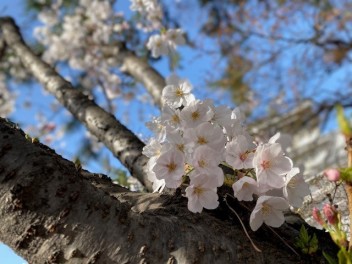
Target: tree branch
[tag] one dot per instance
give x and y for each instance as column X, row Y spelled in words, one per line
column 51, row 213
column 121, row 141
column 139, row 69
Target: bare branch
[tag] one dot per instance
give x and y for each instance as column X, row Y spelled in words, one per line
column 139, row 69
column 126, row 146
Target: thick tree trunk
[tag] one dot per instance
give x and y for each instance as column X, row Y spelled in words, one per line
column 52, row 212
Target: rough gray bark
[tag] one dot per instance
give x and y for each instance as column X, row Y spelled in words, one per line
column 50, row 212
column 121, row 141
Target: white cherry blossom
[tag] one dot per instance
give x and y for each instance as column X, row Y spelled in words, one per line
column 170, row 167
column 201, row 193
column 206, row 134
column 158, row 128
column 171, row 117
column 222, row 115
column 239, row 153
column 295, row 188
column 244, row 188
column 196, row 113
column 176, row 95
column 158, row 185
column 158, row 46
column 175, row 140
column 152, row 149
column 175, row 37
column 268, row 210
column 206, row 161
column 270, row 166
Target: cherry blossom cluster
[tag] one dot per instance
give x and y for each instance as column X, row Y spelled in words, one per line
column 159, row 44
column 150, row 13
column 193, row 137
column 81, row 37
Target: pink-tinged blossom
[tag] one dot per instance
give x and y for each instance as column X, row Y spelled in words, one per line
column 206, row 134
column 271, row 165
column 206, row 161
column 170, row 167
column 244, row 188
column 318, row 217
column 332, row 174
column 295, row 188
column 330, row 214
column 178, row 94
column 268, row 210
column 158, row 46
column 196, row 113
column 239, row 153
column 201, row 193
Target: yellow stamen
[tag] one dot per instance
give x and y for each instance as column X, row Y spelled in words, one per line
column 202, row 163
column 179, row 92
column 202, row 141
column 265, row 164
column 171, row 166
column 176, row 119
column 198, row 191
column 195, row 115
column 292, row 183
column 266, row 209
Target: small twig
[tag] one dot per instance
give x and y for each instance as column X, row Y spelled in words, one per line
column 243, row 227
column 276, row 234
column 337, row 185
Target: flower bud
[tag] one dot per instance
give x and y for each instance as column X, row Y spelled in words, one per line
column 317, row 216
column 330, row 214
column 332, row 174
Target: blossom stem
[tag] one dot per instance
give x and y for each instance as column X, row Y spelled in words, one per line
column 244, row 228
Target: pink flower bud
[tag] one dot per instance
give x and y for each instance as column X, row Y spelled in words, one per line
column 330, row 214
column 332, row 174
column 317, row 216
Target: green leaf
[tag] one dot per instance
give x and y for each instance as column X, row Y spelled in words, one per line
column 308, row 244
column 329, row 259
column 344, row 256
column 342, row 121
column 313, row 244
column 346, row 174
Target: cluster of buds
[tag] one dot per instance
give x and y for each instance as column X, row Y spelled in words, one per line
column 332, row 223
